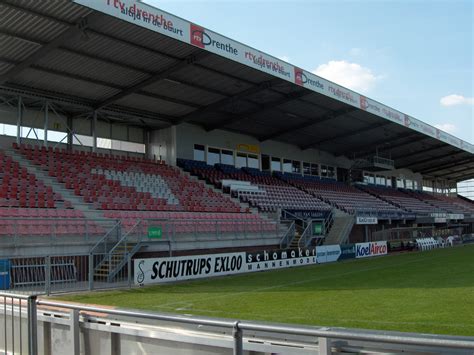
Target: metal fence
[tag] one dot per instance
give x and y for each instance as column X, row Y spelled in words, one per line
column 18, row 317
column 115, row 330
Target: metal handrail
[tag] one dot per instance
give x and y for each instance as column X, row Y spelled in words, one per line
column 303, row 242
column 285, row 240
column 92, row 250
column 321, row 332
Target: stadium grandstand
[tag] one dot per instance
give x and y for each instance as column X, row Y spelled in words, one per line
column 108, row 119
column 127, row 132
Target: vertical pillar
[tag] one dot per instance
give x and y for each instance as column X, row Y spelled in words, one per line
column 238, row 339
column 19, row 119
column 46, row 123
column 94, row 131
column 70, row 134
column 32, row 326
column 74, row 331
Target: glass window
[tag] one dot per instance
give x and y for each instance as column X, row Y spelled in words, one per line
column 276, row 164
column 409, row 184
column 241, row 160
column 331, row 172
column 296, row 167
column 307, row 168
column 287, row 166
column 415, row 185
column 265, row 163
column 199, row 152
column 314, row 169
column 400, row 183
column 324, row 171
column 253, row 161
column 213, row 156
column 227, row 157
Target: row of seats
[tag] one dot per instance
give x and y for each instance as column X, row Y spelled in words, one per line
column 340, row 195
column 19, row 188
column 124, row 184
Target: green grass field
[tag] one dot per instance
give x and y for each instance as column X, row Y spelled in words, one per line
column 429, row 292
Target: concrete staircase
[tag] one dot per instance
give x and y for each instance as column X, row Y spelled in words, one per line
column 68, row 195
column 341, row 228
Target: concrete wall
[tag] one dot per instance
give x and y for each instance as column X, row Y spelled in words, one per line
column 187, row 135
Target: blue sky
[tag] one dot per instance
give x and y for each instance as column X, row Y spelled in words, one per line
column 415, row 56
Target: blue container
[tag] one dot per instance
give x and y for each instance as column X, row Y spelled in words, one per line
column 4, row 274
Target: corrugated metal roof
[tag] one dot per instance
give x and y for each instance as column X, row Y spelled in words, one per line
column 154, row 105
column 94, row 69
column 15, row 49
column 55, row 83
column 177, row 90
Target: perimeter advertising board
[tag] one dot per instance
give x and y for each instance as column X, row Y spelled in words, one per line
column 366, row 250
column 156, row 20
column 160, row 270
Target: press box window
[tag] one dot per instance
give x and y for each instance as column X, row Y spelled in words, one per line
column 314, row 169
column 241, row 160
column 252, row 161
column 213, row 156
column 199, row 151
column 276, row 164
column 307, row 168
column 227, row 157
column 296, row 167
column 287, row 167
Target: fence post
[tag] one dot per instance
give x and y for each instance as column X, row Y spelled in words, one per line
column 47, row 275
column 237, row 335
column 91, row 272
column 324, row 345
column 32, row 326
column 74, row 331
column 129, row 270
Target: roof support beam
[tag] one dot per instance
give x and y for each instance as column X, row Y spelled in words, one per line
column 448, row 165
column 423, row 151
column 263, row 108
column 430, row 159
column 309, row 122
column 463, row 177
column 345, row 135
column 189, row 60
column 68, row 35
column 455, row 172
column 218, row 104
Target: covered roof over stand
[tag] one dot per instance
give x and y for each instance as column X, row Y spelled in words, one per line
column 85, row 60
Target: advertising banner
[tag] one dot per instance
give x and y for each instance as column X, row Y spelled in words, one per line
column 348, row 251
column 154, row 19
column 305, row 214
column 158, row 270
column 328, row 253
column 366, row 250
column 278, row 259
column 161, row 270
column 367, row 220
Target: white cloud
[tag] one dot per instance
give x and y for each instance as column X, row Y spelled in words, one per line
column 351, row 75
column 447, row 127
column 453, row 100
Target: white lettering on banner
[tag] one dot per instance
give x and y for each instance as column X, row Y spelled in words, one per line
column 367, row 220
column 149, row 271
column 365, row 250
column 154, row 19
column 328, row 253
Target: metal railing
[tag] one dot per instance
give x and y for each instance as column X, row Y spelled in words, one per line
column 286, row 240
column 78, row 320
column 21, row 231
column 16, row 337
